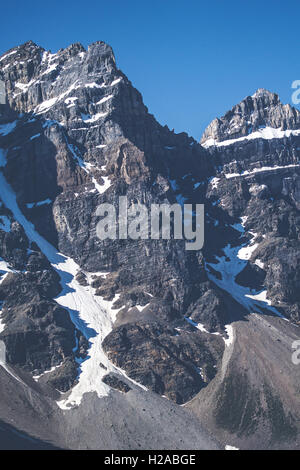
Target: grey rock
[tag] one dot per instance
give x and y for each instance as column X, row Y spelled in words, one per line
column 263, row 109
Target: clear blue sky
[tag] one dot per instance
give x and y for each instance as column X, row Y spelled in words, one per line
column 192, row 60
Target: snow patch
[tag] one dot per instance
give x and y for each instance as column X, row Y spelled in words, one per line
column 229, row 330
column 4, row 270
column 116, row 81
column 214, row 182
column 37, row 377
column 141, row 307
column 90, row 119
column 246, row 252
column 261, row 170
column 7, row 55
column 229, row 266
column 259, row 263
column 71, row 101
column 93, row 85
column 267, row 133
column 48, row 104
column 102, row 188
column 106, row 98
column 50, row 69
column 87, row 168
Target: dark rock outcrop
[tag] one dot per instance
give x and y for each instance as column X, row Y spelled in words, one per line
column 116, row 383
column 175, row 363
column 38, row 333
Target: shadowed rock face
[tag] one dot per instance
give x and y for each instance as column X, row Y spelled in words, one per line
column 116, row 383
column 76, row 133
column 39, row 334
column 171, row 363
column 12, row 439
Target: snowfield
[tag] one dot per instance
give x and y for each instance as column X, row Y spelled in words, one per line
column 92, row 315
column 4, row 270
column 267, row 133
column 261, row 170
column 229, row 266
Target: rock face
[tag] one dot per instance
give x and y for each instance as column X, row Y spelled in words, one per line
column 263, row 109
column 75, row 133
column 116, row 383
column 84, row 137
column 176, row 364
column 261, row 169
column 39, row 334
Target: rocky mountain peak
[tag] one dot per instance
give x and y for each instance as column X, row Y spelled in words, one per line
column 27, row 51
column 101, row 48
column 262, row 109
column 84, row 315
column 35, row 79
column 265, row 94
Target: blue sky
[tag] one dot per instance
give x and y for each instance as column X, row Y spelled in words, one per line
column 192, row 60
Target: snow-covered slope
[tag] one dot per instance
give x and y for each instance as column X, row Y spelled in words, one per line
column 92, row 315
column 229, row 266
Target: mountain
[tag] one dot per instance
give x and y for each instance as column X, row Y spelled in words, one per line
column 254, row 113
column 90, row 325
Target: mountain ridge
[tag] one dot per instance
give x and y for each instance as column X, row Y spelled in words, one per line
column 262, row 109
column 162, row 319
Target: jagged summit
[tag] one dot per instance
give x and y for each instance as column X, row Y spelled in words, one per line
column 35, row 77
column 263, row 92
column 262, row 109
column 29, row 51
column 30, row 46
column 27, row 60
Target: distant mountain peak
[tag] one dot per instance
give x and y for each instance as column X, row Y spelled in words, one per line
column 262, row 109
column 263, row 92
